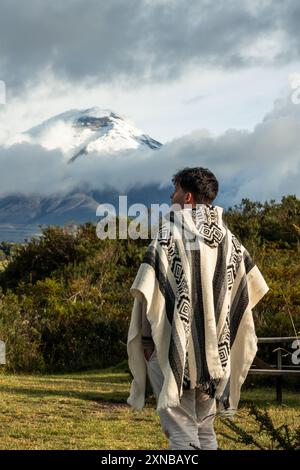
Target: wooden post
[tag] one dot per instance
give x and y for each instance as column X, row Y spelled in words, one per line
column 2, row 352
column 279, row 378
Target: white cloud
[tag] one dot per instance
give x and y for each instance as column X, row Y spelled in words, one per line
column 27, row 168
column 260, row 164
column 232, row 99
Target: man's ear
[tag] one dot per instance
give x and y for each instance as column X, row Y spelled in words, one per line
column 188, row 198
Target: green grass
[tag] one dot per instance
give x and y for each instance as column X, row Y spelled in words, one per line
column 88, row 410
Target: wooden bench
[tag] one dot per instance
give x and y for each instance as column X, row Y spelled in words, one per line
column 259, row 367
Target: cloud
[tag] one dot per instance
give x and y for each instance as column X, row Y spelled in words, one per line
column 260, row 164
column 140, row 41
column 27, row 168
column 194, row 99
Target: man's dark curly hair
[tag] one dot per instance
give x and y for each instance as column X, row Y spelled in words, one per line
column 201, row 182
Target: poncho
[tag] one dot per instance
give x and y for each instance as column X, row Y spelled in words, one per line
column 198, row 285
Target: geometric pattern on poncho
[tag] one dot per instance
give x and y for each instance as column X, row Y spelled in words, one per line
column 205, row 220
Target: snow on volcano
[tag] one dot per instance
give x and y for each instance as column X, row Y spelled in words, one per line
column 93, row 130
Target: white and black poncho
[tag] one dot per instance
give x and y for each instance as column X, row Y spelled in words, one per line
column 199, row 285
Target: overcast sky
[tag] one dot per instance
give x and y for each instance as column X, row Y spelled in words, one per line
column 209, row 79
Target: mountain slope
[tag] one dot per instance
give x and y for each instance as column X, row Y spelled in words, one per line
column 79, row 134
column 94, row 130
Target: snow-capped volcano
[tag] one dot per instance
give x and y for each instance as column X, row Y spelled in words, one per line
column 93, row 130
column 79, row 135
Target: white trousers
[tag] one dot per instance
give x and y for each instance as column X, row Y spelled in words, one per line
column 190, row 423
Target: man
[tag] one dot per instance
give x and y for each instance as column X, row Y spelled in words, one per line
column 192, row 327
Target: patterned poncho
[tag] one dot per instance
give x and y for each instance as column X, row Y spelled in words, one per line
column 199, row 285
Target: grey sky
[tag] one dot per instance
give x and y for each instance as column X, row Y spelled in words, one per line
column 139, row 40
column 199, row 76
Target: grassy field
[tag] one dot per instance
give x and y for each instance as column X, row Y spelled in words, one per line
column 89, row 411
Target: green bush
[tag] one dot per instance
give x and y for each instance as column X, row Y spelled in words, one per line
column 65, row 302
column 18, row 329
